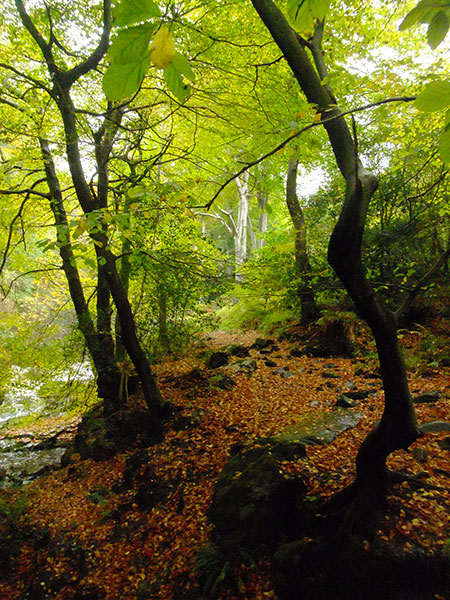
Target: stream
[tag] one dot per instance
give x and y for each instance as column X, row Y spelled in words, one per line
column 26, row 455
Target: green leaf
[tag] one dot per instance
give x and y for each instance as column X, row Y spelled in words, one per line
column 181, row 64
column 414, row 16
column 437, row 29
column 131, row 45
column 444, row 146
column 123, row 80
column 175, row 83
column 128, row 12
column 302, row 13
column 435, row 96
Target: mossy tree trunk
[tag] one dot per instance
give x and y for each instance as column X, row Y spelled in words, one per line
column 305, row 292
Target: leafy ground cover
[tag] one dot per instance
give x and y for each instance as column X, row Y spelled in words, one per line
column 131, row 527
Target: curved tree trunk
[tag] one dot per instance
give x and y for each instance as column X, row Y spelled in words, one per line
column 305, row 293
column 398, row 427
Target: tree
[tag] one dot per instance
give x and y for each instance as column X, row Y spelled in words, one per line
column 309, row 310
column 59, row 80
column 398, row 427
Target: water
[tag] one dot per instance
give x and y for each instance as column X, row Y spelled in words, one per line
column 23, row 396
column 22, row 457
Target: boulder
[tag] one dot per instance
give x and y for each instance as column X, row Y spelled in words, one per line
column 253, row 501
column 445, row 443
column 262, row 343
column 239, row 351
column 221, row 381
column 217, row 359
column 345, row 402
column 435, row 426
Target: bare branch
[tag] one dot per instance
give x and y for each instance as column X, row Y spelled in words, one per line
column 296, row 135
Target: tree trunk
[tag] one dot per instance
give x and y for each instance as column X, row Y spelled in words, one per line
column 398, row 427
column 97, row 341
column 240, row 238
column 309, row 310
column 62, row 82
column 263, row 219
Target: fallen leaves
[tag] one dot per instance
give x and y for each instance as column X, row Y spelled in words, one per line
column 123, row 551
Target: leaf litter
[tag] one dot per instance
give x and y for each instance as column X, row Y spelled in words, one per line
column 83, row 534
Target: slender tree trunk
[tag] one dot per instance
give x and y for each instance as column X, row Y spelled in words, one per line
column 97, row 341
column 398, row 427
column 309, row 310
column 240, row 238
column 263, row 219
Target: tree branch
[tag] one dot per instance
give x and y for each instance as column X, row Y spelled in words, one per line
column 295, row 135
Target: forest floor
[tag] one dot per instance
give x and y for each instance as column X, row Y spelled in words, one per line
column 78, row 534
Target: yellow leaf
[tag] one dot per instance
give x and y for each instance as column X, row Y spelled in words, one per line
column 163, row 49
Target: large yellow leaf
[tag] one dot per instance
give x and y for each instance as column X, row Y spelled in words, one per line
column 163, row 49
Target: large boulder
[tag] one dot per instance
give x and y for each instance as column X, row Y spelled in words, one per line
column 254, row 502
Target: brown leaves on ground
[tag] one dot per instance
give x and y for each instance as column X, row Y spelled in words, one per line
column 86, row 535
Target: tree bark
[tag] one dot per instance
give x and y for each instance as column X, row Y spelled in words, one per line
column 398, row 427
column 108, row 376
column 305, row 293
column 240, row 238
column 263, row 219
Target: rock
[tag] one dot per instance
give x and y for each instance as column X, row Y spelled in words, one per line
column 360, row 394
column 188, row 380
column 344, row 402
column 330, row 375
column 253, row 501
column 445, row 443
column 261, row 343
column 222, row 381
column 270, row 363
column 183, row 422
column 247, row 365
column 435, row 427
column 349, row 385
column 217, row 359
column 426, row 397
column 320, row 429
column 239, row 351
column 420, row 455
column 284, row 372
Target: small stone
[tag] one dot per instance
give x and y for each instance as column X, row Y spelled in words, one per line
column 349, row 385
column 426, row 397
column 445, row 443
column 344, row 402
column 287, row 374
column 329, row 375
column 420, row 455
column 270, row 363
